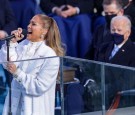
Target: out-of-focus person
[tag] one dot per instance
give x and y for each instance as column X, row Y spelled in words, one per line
column 74, row 21
column 129, row 10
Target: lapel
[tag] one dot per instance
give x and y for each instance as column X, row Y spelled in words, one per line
column 122, row 53
column 109, row 51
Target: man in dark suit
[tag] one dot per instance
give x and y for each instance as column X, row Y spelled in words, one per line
column 74, row 21
column 119, row 51
column 120, row 31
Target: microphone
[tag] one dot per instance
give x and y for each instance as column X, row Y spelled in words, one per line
column 24, row 32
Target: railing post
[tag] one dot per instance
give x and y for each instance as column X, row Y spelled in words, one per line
column 61, row 86
column 103, row 88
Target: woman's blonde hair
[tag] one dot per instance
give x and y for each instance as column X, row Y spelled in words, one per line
column 52, row 37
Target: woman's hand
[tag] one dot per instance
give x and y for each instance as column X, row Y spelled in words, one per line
column 18, row 35
column 11, row 67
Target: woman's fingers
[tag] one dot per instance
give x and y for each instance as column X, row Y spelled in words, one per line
column 11, row 67
column 18, row 34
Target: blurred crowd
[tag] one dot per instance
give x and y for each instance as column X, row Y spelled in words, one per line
column 78, row 21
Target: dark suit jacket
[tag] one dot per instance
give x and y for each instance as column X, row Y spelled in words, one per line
column 124, row 56
column 118, row 79
column 7, row 19
column 85, row 6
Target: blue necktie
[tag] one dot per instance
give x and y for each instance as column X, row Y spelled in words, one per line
column 114, row 51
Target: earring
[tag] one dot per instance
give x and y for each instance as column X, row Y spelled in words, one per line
column 42, row 36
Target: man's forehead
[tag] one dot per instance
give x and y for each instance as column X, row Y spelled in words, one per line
column 111, row 7
column 118, row 23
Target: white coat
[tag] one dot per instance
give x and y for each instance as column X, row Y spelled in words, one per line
column 33, row 91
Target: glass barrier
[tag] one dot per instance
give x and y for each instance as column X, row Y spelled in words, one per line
column 119, row 90
column 83, row 87
column 81, row 81
column 96, row 88
column 32, row 90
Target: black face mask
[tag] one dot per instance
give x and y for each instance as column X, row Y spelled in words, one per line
column 108, row 19
column 117, row 38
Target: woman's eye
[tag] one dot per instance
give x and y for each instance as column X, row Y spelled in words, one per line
column 33, row 24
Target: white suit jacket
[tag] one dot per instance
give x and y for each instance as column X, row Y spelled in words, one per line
column 33, row 91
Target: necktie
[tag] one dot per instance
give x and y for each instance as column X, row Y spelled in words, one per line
column 114, row 51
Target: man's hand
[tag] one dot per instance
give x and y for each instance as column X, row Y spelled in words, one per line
column 59, row 12
column 66, row 13
column 71, row 11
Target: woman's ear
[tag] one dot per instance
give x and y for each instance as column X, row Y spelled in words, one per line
column 45, row 32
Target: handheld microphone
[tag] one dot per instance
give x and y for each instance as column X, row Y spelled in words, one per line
column 24, row 32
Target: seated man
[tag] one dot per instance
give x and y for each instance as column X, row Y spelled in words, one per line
column 74, row 21
column 120, row 31
column 119, row 51
column 116, row 79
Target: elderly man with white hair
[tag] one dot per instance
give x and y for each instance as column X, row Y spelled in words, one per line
column 120, row 51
